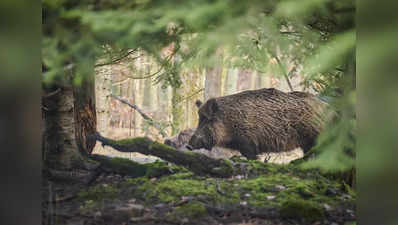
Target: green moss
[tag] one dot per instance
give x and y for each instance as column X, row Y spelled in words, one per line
column 173, row 188
column 98, row 192
column 182, row 175
column 190, row 210
column 130, row 141
column 157, row 145
column 301, row 209
column 125, row 166
column 88, row 206
column 276, row 187
column 349, row 190
column 226, row 169
column 160, row 168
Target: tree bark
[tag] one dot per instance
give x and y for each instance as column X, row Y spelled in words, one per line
column 69, row 119
column 212, row 83
column 176, row 110
column 231, row 81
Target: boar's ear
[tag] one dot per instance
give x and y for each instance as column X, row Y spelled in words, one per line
column 198, row 103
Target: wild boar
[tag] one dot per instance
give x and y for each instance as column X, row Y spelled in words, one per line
column 259, row 121
column 180, row 140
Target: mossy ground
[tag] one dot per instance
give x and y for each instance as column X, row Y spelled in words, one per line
column 295, row 193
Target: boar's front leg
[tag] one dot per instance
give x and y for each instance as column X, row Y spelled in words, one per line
column 246, row 147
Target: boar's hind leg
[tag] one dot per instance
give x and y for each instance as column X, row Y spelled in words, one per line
column 307, row 142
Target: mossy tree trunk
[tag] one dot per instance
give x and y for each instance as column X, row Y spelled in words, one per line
column 70, row 118
column 199, row 164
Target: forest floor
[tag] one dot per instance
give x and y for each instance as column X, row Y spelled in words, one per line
column 268, row 194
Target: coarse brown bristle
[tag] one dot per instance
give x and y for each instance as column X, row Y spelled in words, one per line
column 273, row 120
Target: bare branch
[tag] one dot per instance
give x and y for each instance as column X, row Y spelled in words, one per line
column 145, row 116
column 190, row 96
column 285, row 74
column 113, row 61
column 143, row 77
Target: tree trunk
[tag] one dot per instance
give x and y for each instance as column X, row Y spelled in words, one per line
column 69, row 117
column 231, row 82
column 176, row 111
column 103, row 86
column 244, row 80
column 212, row 83
column 262, row 80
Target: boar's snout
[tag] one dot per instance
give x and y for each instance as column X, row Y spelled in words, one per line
column 198, row 141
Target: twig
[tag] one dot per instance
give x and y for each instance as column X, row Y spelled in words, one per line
column 190, row 96
column 118, row 59
column 145, row 116
column 143, row 77
column 285, row 74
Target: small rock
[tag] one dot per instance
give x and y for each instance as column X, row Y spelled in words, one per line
column 327, row 207
column 97, row 214
column 247, row 195
column 271, row 197
column 160, row 205
column 346, row 196
column 280, row 187
column 350, row 211
column 187, row 198
column 131, row 210
column 131, row 201
column 330, row 192
column 244, row 203
column 239, row 177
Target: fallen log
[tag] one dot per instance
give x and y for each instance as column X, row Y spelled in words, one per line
column 197, row 163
